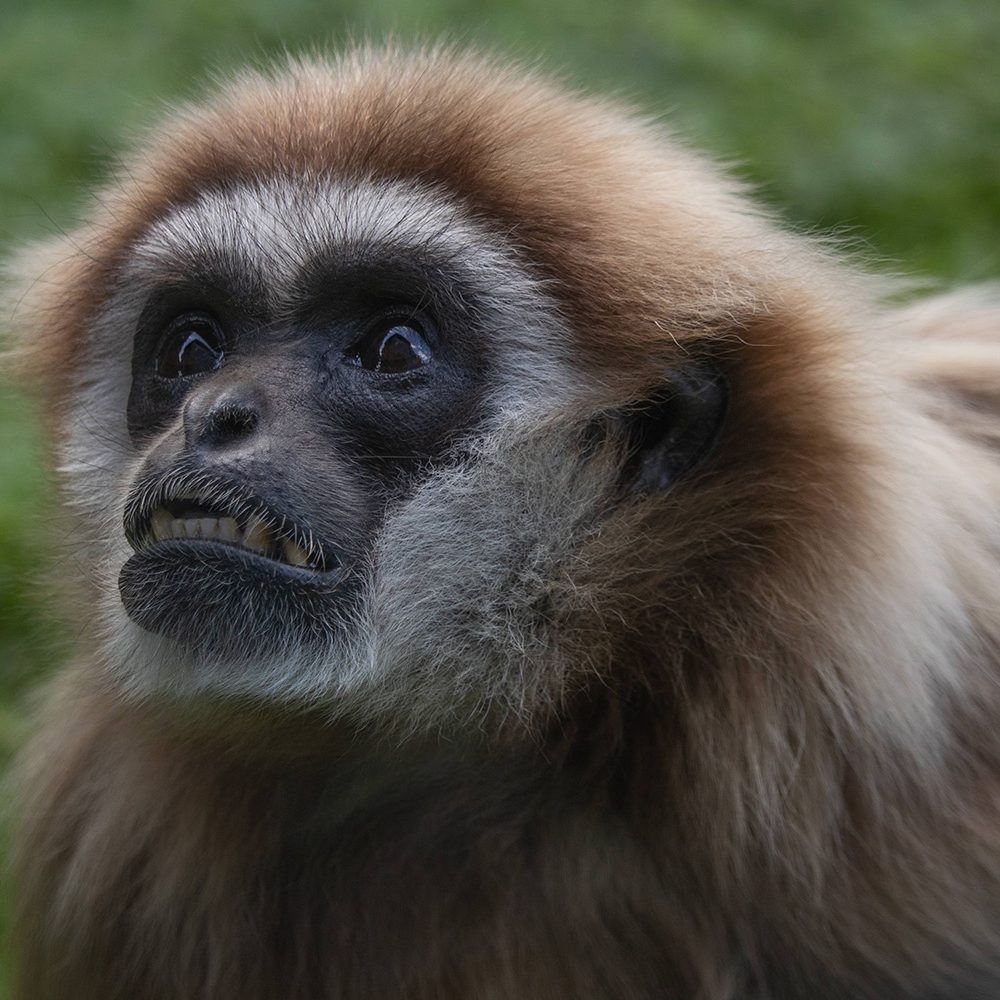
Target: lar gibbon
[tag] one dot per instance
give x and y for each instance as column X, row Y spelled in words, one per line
column 506, row 564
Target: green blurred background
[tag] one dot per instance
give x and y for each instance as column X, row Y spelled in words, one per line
column 879, row 119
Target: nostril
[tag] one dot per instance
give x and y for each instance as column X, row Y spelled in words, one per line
column 217, row 417
column 230, row 422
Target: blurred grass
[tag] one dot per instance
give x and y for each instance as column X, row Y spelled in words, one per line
column 880, row 118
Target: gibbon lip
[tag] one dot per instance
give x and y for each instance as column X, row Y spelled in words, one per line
column 220, row 514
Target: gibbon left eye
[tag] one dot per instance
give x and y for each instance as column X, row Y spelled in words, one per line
column 193, row 345
column 392, row 347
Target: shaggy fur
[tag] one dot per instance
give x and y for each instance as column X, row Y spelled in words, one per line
column 738, row 740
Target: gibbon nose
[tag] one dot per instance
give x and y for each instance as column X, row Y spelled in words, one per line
column 224, row 418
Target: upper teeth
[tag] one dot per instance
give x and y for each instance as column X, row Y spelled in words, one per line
column 257, row 536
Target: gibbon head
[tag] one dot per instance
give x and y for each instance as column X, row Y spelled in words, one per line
column 418, row 389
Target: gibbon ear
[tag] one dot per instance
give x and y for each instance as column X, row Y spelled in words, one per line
column 675, row 428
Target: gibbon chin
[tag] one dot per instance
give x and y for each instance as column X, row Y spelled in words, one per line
column 505, row 563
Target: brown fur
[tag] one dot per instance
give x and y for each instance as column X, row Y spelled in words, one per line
column 786, row 783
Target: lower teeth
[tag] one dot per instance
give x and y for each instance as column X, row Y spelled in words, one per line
column 257, row 538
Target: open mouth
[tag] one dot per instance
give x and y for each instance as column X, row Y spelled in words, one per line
column 221, row 570
column 225, row 516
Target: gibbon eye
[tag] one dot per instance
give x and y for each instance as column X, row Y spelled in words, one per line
column 193, row 345
column 393, row 346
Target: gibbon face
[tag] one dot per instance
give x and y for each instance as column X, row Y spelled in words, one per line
column 306, row 354
column 311, row 375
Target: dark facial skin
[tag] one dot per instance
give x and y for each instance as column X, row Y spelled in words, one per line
column 312, row 424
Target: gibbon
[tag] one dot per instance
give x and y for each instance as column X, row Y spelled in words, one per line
column 505, row 563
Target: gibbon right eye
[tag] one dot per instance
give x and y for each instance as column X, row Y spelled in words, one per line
column 391, row 347
column 192, row 345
